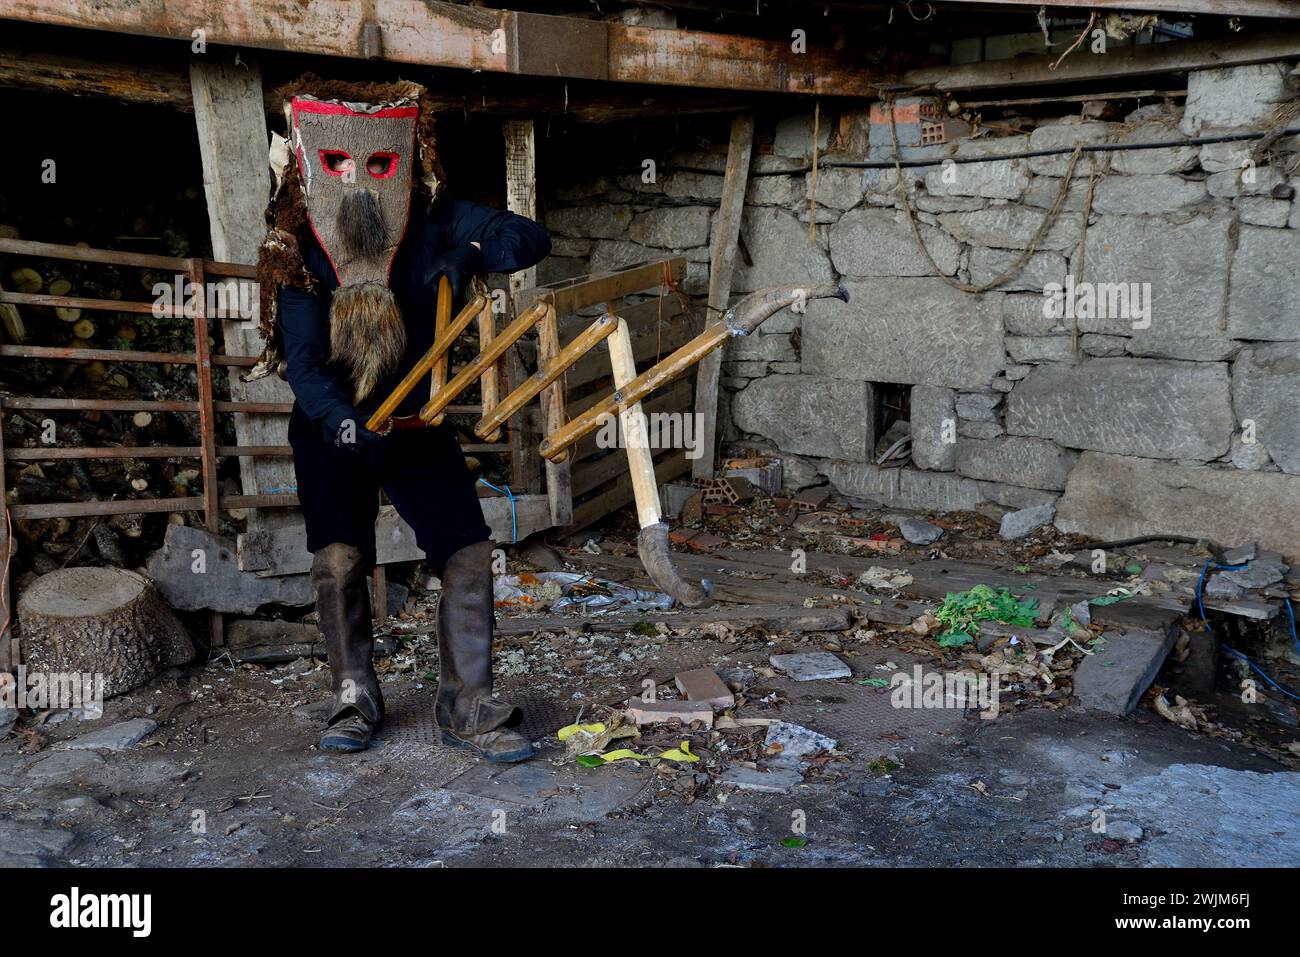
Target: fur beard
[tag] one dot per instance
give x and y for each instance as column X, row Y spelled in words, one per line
column 367, row 334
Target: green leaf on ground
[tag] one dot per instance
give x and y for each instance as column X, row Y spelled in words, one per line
column 963, row 611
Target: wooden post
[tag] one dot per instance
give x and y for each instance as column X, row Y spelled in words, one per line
column 207, row 428
column 521, row 187
column 640, row 460
column 230, row 118
column 521, row 198
column 490, row 382
column 441, row 318
column 559, row 477
column 722, row 261
column 8, row 643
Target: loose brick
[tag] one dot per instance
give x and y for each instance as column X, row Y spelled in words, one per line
column 656, row 712
column 703, row 684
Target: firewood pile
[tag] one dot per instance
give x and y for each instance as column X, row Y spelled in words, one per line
column 46, row 544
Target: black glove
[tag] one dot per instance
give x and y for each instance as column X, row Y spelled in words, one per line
column 459, row 266
column 356, row 439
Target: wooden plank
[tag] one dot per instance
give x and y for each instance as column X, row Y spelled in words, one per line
column 571, row 295
column 521, row 198
column 669, row 467
column 776, row 618
column 489, row 383
column 9, row 653
column 453, row 35
column 441, row 319
column 1149, row 59
column 168, row 85
column 524, row 434
column 722, row 261
column 635, row 432
column 1222, row 8
column 233, row 142
column 558, row 474
column 283, row 551
column 521, row 187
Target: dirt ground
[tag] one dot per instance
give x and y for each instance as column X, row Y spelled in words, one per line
column 230, row 776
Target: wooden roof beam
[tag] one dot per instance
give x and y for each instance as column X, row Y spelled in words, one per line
column 1176, row 56
column 1286, row 9
column 440, row 34
column 165, row 83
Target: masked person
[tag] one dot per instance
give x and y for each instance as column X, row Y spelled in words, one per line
column 358, row 238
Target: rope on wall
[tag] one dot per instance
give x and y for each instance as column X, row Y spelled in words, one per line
column 1014, row 269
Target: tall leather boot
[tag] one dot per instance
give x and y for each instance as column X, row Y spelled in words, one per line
column 338, row 577
column 465, row 710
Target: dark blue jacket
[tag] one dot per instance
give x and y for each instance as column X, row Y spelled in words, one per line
column 507, row 243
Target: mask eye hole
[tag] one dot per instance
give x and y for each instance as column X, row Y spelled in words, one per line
column 381, row 165
column 336, row 162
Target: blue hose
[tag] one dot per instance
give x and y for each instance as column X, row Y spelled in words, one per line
column 1200, row 606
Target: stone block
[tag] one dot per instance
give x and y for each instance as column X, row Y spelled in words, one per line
column 1234, row 96
column 1184, row 263
column 807, row 414
column 837, row 187
column 1012, row 227
column 1265, row 285
column 1041, row 269
column 1028, row 316
column 934, row 423
column 1266, row 390
column 993, row 180
column 977, row 406
column 862, row 480
column 878, row 242
column 908, row 331
column 780, row 252
column 671, row 227
column 1177, row 410
column 1016, row 460
column 812, row 666
column 1264, row 211
column 1040, row 349
column 703, row 684
column 659, row 711
column 758, row 347
column 590, row 222
column 609, row 255
column 778, row 780
column 1020, row 523
column 681, row 184
column 979, row 430
column 1250, row 181
column 1138, row 195
column 1189, row 349
column 116, row 737
column 936, row 491
column 1093, row 344
column 1116, row 496
column 1114, row 678
column 1044, row 190
column 919, row 532
column 1174, row 159
column 1064, row 135
column 220, row 586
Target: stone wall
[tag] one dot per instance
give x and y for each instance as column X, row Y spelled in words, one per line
column 1182, row 420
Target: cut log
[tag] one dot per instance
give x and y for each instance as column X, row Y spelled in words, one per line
column 102, row 621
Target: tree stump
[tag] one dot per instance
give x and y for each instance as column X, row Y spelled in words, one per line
column 106, row 621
